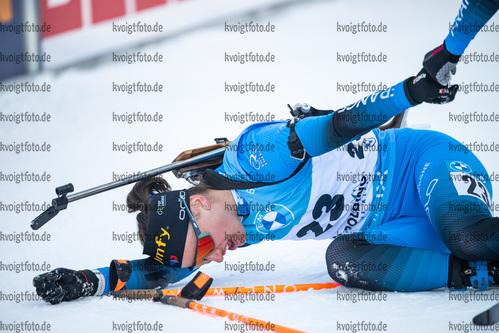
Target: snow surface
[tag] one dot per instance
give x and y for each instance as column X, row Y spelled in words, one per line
column 194, row 103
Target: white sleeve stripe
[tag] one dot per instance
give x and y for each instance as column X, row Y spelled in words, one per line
column 102, row 283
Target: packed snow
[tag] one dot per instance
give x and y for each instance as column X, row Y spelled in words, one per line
column 196, row 108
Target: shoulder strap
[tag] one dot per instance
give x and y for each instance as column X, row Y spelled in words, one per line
column 300, row 111
column 220, row 182
column 294, row 144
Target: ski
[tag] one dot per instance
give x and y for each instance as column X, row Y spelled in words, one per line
column 488, row 317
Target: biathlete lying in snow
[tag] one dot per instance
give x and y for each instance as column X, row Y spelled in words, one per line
column 411, row 221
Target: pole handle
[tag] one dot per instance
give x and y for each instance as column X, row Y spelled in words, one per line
column 177, row 301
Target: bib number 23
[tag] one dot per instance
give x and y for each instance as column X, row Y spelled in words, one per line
column 333, row 205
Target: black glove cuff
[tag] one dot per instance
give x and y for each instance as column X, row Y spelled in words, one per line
column 452, row 57
column 119, row 273
column 407, row 90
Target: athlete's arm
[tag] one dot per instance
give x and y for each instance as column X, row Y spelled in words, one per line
column 472, row 16
column 322, row 134
column 318, row 135
column 63, row 284
column 141, row 274
column 261, row 153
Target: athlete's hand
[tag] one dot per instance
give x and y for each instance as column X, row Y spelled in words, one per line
column 422, row 88
column 440, row 64
column 64, row 284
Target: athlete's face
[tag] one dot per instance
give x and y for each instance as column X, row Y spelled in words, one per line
column 219, row 219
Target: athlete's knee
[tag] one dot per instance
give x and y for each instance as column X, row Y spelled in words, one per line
column 341, row 254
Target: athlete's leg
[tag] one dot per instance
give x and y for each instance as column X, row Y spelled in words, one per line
column 437, row 180
column 456, row 193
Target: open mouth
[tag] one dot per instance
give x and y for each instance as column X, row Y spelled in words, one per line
column 232, row 245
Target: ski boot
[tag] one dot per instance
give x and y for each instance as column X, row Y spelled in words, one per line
column 477, row 274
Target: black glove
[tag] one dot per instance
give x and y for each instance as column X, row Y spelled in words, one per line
column 64, row 284
column 440, row 64
column 423, row 88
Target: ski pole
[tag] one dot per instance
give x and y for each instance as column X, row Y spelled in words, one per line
column 188, row 304
column 156, row 294
column 62, row 200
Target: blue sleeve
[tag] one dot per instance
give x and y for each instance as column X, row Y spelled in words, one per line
column 472, row 16
column 322, row 134
column 147, row 274
column 261, row 154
